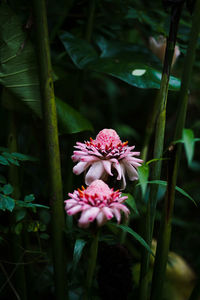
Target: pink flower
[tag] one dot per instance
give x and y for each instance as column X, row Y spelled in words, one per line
column 100, row 157
column 98, row 202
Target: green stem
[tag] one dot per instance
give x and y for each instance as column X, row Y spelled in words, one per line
column 52, row 148
column 158, row 148
column 92, row 264
column 175, row 153
column 16, row 240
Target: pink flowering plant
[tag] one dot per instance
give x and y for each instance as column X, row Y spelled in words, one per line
column 104, row 156
column 97, row 201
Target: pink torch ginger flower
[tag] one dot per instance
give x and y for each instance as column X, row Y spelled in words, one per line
column 98, row 202
column 100, row 157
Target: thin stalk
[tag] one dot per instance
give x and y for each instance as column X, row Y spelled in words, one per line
column 158, row 147
column 16, row 240
column 175, row 153
column 52, row 148
column 92, row 264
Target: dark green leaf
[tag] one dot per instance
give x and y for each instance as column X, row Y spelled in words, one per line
column 188, row 139
column 131, row 202
column 29, row 198
column 143, row 173
column 20, row 214
column 23, row 157
column 6, row 202
column 17, row 61
column 3, row 161
column 126, row 68
column 10, row 158
column 164, row 183
column 135, row 235
column 21, row 203
column 70, row 120
column 7, row 189
column 78, row 249
column 2, row 179
column 18, row 228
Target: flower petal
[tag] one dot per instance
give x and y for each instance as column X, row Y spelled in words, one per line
column 131, row 171
column 96, row 171
column 107, row 212
column 117, row 166
column 74, row 210
column 107, row 166
column 80, row 167
column 101, row 219
column 88, row 216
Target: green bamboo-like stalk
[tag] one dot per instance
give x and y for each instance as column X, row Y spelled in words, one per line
column 52, row 148
column 175, row 153
column 158, row 148
column 92, row 264
column 16, row 240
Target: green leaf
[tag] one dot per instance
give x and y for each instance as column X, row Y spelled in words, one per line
column 78, row 249
column 29, row 198
column 21, row 203
column 20, row 214
column 3, row 161
column 10, row 158
column 181, row 191
column 18, row 64
column 18, row 228
column 143, row 173
column 70, row 120
column 135, row 235
column 125, row 67
column 6, row 202
column 7, row 189
column 131, row 202
column 23, row 157
column 189, row 142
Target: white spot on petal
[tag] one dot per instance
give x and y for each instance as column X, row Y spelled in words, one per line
column 138, row 72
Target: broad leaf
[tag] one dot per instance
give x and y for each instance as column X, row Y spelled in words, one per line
column 131, row 202
column 70, row 120
column 127, row 68
column 7, row 189
column 189, row 142
column 17, row 61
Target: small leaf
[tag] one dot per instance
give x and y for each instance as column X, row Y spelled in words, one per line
column 143, row 173
column 135, row 235
column 29, row 198
column 188, row 139
column 18, row 228
column 3, row 161
column 131, row 202
column 7, row 189
column 20, row 214
column 78, row 249
column 10, row 158
column 23, row 157
column 70, row 120
column 6, row 202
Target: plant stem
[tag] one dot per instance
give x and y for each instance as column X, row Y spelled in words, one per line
column 175, row 153
column 52, row 148
column 158, row 147
column 92, row 264
column 16, row 240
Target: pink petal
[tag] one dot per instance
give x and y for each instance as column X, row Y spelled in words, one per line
column 117, row 214
column 101, row 219
column 88, row 216
column 70, row 203
column 117, row 166
column 122, row 207
column 95, row 172
column 107, row 166
column 80, row 167
column 123, row 177
column 107, row 212
column 74, row 210
column 89, row 158
column 131, row 171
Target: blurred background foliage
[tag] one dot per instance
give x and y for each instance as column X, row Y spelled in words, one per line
column 95, row 47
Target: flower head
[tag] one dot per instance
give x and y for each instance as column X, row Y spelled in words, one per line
column 100, row 157
column 98, row 202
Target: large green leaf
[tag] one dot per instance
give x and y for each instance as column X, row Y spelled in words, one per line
column 6, row 203
column 143, row 172
column 70, row 120
column 17, row 61
column 131, row 68
column 189, row 142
